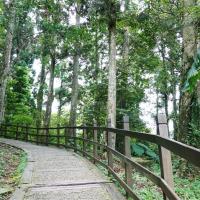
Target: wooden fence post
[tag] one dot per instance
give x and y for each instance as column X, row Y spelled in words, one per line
column 47, row 136
column 75, row 141
column 0, row 128
column 95, row 140
column 58, row 135
column 5, row 131
column 26, row 134
column 66, row 137
column 109, row 136
column 127, row 151
column 165, row 155
column 16, row 136
column 84, row 137
column 37, row 135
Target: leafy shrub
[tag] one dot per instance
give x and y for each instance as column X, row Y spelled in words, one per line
column 139, row 149
column 193, row 75
column 22, row 119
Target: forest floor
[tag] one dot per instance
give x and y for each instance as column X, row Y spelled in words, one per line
column 187, row 186
column 12, row 164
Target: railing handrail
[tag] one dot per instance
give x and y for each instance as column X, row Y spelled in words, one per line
column 183, row 150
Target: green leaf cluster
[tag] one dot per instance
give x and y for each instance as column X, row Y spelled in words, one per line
column 193, row 75
column 139, row 149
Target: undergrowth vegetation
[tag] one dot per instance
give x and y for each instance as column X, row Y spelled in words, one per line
column 12, row 164
column 187, row 187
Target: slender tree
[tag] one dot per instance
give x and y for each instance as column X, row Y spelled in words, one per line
column 40, row 94
column 75, row 86
column 112, row 66
column 189, row 49
column 50, row 96
column 6, row 65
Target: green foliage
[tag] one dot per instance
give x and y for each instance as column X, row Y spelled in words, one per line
column 23, row 119
column 139, row 149
column 187, row 189
column 62, row 120
column 193, row 75
column 19, row 171
column 19, row 103
column 12, row 164
column 194, row 135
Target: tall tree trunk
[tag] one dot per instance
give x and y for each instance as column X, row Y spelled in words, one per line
column 126, row 37
column 174, row 65
column 112, row 68
column 5, row 69
column 96, row 74
column 125, row 67
column 189, row 48
column 122, row 76
column 50, row 97
column 75, row 86
column 165, row 97
column 165, row 92
column 174, row 95
column 60, row 97
column 195, row 110
column 40, row 94
column 198, row 47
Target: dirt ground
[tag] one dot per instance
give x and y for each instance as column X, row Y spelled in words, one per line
column 12, row 161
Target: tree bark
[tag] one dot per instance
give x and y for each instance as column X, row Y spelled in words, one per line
column 96, row 74
column 50, row 97
column 74, row 98
column 189, row 48
column 112, row 68
column 40, row 94
column 75, row 86
column 165, row 92
column 5, row 69
column 175, row 112
column 60, row 97
column 198, row 84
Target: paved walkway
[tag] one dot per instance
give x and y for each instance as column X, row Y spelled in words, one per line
column 57, row 174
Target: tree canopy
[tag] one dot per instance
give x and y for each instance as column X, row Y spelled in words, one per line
column 98, row 60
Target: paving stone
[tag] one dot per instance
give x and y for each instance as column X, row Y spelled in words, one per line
column 65, row 177
column 57, row 174
column 69, row 193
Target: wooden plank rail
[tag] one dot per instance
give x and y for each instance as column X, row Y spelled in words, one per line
column 109, row 142
column 58, row 135
column 183, row 150
column 127, row 152
column 165, row 154
column 86, row 137
column 95, row 153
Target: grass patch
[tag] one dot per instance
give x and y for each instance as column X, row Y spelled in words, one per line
column 16, row 176
column 12, row 164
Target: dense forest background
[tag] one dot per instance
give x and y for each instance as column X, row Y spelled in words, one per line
column 104, row 55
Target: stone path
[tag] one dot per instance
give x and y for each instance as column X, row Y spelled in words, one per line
column 57, row 174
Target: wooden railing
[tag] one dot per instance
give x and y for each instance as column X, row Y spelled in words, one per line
column 86, row 139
